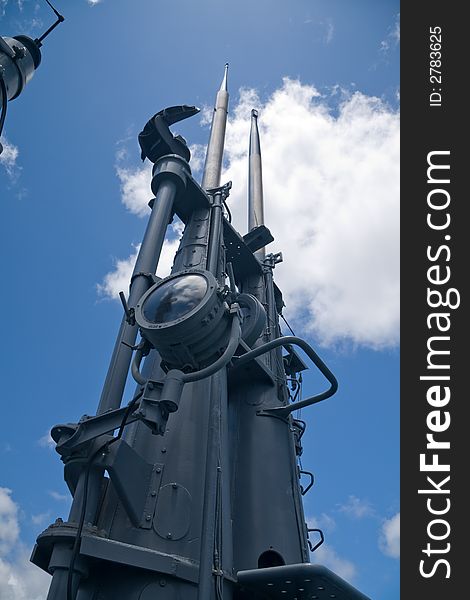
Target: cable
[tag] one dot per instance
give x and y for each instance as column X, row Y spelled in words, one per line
column 3, row 90
column 299, row 411
column 218, row 540
column 285, row 321
column 81, row 522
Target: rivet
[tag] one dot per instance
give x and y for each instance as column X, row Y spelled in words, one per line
column 169, row 536
column 162, row 582
column 174, row 486
column 153, row 493
column 163, row 450
column 147, row 517
column 158, row 470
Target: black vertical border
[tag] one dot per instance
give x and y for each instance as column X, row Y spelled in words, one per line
column 425, row 129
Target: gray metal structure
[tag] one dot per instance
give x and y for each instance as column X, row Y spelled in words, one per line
column 20, row 56
column 215, row 147
column 203, row 499
column 255, row 181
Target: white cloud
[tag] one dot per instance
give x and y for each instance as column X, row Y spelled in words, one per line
column 46, row 441
column 8, row 159
column 326, row 28
column 135, row 182
column 327, row 556
column 9, row 528
column 41, row 518
column 393, row 37
column 59, row 497
column 329, row 30
column 19, row 579
column 356, row 508
column 389, row 539
column 324, row 522
column 198, row 157
column 135, row 188
column 119, row 278
column 331, row 187
column 93, row 2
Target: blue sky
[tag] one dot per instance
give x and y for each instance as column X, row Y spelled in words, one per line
column 325, row 76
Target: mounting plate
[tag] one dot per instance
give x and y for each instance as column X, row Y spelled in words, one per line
column 303, row 581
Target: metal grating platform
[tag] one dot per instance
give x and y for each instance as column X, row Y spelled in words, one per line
column 297, row 582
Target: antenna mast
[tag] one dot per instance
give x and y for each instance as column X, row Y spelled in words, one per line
column 204, row 495
column 255, row 181
column 215, row 147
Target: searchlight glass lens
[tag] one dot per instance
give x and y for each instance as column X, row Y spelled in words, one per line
column 175, row 298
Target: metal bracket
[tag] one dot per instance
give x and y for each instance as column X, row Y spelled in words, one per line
column 223, row 190
column 303, row 490
column 156, row 139
column 298, row 429
column 273, row 259
column 136, row 481
column 152, row 411
column 72, row 437
column 319, row 543
column 152, row 497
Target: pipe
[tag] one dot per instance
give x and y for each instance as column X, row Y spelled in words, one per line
column 310, row 352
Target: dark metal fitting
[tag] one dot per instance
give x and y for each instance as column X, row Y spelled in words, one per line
column 235, row 309
column 53, row 546
column 223, row 190
column 170, row 167
column 19, row 53
column 156, row 139
column 319, row 543
column 61, row 433
column 273, row 259
column 129, row 312
column 153, row 279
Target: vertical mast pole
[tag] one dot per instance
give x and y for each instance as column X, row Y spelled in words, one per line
column 255, row 182
column 216, row 480
column 215, row 147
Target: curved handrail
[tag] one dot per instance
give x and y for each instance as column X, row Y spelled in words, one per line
column 289, row 340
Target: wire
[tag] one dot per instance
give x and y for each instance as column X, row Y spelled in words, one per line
column 218, row 533
column 285, row 321
column 81, row 522
column 299, row 412
column 3, row 90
